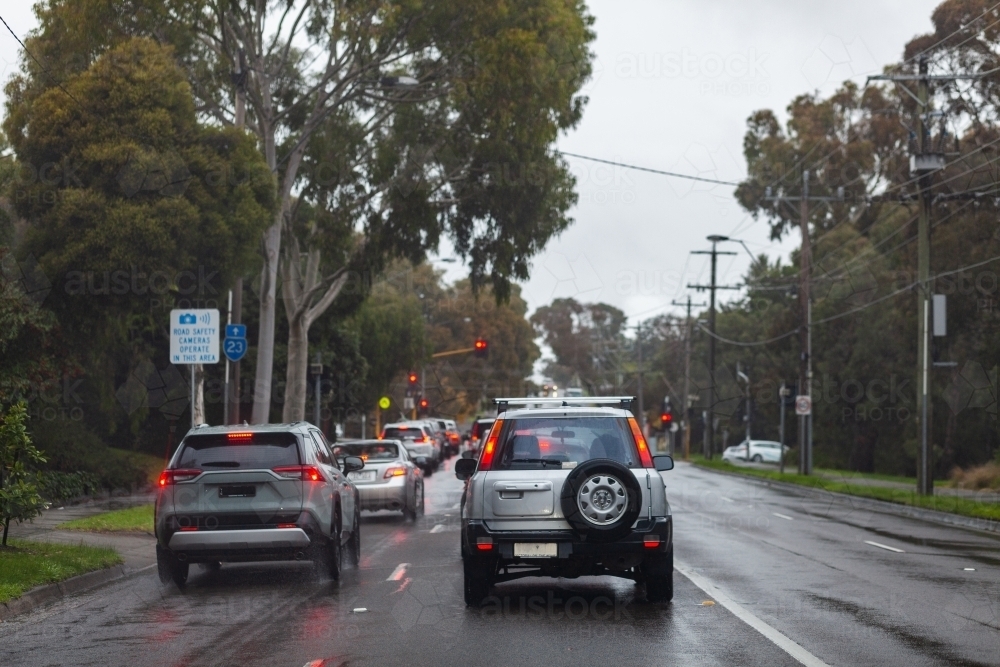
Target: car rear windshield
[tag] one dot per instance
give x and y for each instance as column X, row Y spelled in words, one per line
column 481, row 428
column 402, row 432
column 545, row 443
column 224, row 451
column 369, row 452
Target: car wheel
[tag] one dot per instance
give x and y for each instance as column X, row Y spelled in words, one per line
column 757, row 458
column 169, row 568
column 478, row 579
column 600, row 499
column 329, row 558
column 418, row 503
column 428, row 471
column 354, row 544
column 658, row 575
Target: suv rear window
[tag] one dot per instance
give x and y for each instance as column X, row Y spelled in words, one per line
column 223, row 451
column 542, row 443
column 369, row 452
column 402, row 433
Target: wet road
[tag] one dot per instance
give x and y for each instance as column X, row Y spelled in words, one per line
column 799, row 569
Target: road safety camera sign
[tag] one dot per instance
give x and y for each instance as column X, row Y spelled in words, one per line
column 803, row 405
column 194, row 336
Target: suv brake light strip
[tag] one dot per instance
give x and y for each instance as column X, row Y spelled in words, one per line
column 640, row 442
column 486, row 460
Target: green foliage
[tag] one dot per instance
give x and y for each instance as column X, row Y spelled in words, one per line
column 19, row 497
column 57, row 487
column 588, row 342
column 25, row 565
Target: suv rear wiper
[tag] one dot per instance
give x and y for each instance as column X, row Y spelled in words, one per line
column 222, row 464
column 542, row 461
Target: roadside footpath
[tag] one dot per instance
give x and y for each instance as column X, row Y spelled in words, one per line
column 137, row 550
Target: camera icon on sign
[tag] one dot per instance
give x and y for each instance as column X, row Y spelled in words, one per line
column 188, row 318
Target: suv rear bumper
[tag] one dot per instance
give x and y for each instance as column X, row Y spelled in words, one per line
column 569, row 543
column 239, row 540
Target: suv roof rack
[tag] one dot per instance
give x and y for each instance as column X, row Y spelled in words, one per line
column 624, row 402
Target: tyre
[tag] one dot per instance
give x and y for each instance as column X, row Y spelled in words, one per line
column 478, row 579
column 169, row 568
column 354, row 543
column 417, row 510
column 428, row 471
column 601, row 500
column 658, row 575
column 757, row 458
column 329, row 558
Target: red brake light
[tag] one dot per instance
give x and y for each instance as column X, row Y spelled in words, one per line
column 640, row 442
column 484, row 543
column 305, row 473
column 168, row 477
column 394, row 472
column 651, row 541
column 239, row 435
column 486, row 459
column 287, row 525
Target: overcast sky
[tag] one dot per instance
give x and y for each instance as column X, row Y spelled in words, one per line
column 674, row 83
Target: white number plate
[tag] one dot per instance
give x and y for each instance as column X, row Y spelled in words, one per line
column 536, row 550
column 362, row 476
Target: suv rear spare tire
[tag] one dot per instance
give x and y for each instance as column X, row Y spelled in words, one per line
column 601, row 500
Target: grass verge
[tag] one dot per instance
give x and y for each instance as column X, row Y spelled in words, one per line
column 138, row 519
column 25, row 565
column 955, row 505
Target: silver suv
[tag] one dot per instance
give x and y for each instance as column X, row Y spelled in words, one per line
column 566, row 487
column 254, row 493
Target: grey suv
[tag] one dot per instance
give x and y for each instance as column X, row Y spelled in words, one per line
column 255, row 493
column 566, row 488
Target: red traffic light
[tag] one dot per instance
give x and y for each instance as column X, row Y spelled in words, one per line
column 480, row 344
column 412, row 378
column 481, row 348
column 666, row 418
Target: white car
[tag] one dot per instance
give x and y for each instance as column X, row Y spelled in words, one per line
column 761, row 451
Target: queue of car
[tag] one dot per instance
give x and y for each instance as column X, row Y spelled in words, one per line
column 563, row 487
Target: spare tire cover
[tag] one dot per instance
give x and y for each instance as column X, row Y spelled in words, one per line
column 601, row 500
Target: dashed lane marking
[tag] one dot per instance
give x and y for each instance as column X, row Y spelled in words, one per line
column 399, row 572
column 883, row 546
column 778, row 639
column 782, row 516
column 438, row 528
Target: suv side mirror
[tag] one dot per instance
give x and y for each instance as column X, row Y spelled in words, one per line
column 465, row 468
column 663, row 462
column 353, row 464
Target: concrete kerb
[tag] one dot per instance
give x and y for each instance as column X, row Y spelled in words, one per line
column 43, row 595
column 934, row 516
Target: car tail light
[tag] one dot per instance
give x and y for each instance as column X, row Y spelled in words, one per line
column 484, row 543
column 394, row 472
column 287, row 525
column 486, row 459
column 640, row 442
column 426, row 439
column 168, row 477
column 651, row 541
column 305, row 473
column 188, row 529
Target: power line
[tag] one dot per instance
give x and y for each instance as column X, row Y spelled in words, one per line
column 651, row 171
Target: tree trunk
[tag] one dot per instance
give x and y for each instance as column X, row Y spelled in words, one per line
column 6, row 526
column 199, row 395
column 265, row 337
column 296, row 372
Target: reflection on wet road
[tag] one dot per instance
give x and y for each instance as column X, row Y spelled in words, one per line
column 800, row 566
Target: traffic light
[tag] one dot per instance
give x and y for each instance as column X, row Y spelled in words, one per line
column 412, row 384
column 666, row 414
column 424, row 405
column 412, row 378
column 482, row 348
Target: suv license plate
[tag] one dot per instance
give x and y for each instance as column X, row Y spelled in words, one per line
column 536, row 549
column 362, row 476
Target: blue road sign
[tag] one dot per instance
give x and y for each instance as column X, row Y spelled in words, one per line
column 236, row 331
column 234, row 348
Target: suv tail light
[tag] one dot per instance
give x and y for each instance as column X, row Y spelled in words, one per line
column 394, row 472
column 486, row 458
column 305, row 473
column 640, row 442
column 169, row 477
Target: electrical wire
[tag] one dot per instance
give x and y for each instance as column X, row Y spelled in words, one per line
column 651, row 171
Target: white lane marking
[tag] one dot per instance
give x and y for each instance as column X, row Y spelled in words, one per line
column 887, row 548
column 399, row 572
column 438, row 528
column 781, row 641
column 726, row 499
column 782, row 516
column 969, row 569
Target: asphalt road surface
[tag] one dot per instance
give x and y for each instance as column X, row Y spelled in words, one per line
column 772, row 578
